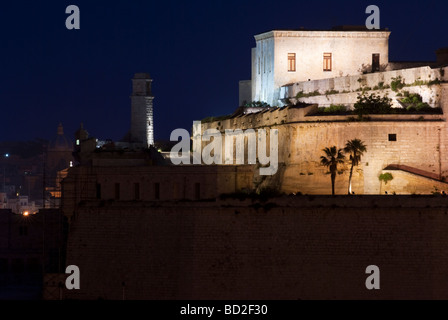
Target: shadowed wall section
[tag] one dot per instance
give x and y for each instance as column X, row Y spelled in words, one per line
column 307, row 247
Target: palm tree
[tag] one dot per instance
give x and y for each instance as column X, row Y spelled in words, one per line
column 333, row 156
column 356, row 149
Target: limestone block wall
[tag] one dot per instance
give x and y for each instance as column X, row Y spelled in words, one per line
column 353, row 83
column 430, row 94
column 417, row 146
column 155, row 183
column 420, row 144
column 404, row 182
column 309, row 247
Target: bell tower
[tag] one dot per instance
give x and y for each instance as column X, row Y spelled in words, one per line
column 142, row 119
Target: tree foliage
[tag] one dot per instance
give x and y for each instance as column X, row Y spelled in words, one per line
column 372, row 104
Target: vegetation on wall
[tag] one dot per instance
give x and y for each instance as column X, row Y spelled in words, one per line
column 397, row 83
column 381, row 86
column 212, row 119
column 386, row 177
column 257, row 104
column 330, row 92
column 414, row 102
column 300, row 94
column 334, row 109
column 372, row 104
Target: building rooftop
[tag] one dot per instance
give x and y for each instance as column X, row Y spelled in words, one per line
column 354, row 30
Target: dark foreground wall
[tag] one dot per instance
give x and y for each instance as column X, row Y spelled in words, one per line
column 30, row 246
column 298, row 248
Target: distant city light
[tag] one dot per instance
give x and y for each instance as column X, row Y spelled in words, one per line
column 77, row 142
column 25, row 213
column 71, row 164
column 7, row 155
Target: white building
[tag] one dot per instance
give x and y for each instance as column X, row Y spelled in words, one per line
column 285, row 57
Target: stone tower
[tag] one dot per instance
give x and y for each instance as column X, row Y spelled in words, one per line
column 142, row 124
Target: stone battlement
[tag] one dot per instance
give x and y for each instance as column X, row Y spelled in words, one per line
column 353, row 84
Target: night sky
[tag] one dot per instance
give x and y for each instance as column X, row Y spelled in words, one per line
column 196, row 52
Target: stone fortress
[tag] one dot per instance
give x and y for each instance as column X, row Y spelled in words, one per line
column 140, row 228
column 300, row 72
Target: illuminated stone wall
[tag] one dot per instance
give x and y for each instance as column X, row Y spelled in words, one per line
column 421, row 145
column 345, row 90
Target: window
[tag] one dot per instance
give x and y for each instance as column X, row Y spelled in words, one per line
column 327, row 61
column 291, row 62
column 117, row 191
column 392, row 137
column 375, row 62
column 197, row 191
column 157, row 190
column 98, row 190
column 137, row 191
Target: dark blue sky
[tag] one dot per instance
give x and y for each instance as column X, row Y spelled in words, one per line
column 196, row 52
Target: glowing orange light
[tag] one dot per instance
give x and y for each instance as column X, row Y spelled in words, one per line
column 25, row 213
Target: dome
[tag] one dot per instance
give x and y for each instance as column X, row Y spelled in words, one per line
column 60, row 142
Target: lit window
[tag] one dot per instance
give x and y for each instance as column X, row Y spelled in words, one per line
column 291, row 62
column 327, row 61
